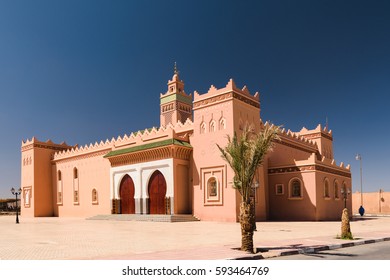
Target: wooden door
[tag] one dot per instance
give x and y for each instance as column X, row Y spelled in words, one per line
column 157, row 191
column 127, row 195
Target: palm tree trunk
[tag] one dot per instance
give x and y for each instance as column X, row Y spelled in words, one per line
column 345, row 226
column 247, row 220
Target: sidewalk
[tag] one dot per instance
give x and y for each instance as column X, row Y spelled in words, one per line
column 75, row 238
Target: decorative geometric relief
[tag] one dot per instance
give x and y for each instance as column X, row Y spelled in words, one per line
column 27, row 196
column 213, row 182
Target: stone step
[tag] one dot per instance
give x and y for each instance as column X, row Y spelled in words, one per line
column 150, row 218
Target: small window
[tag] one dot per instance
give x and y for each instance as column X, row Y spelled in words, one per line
column 94, row 196
column 59, row 197
column 76, row 196
column 279, row 189
column 59, row 175
column 212, row 187
column 295, row 188
column 75, row 173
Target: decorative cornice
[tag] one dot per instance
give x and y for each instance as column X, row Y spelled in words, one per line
column 171, row 151
column 222, row 97
column 148, row 146
column 43, row 146
column 246, row 100
column 212, row 100
column 308, row 168
column 318, row 135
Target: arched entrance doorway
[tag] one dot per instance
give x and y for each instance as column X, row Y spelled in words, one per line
column 157, row 191
column 126, row 192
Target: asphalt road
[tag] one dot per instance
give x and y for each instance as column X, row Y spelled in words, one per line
column 374, row 251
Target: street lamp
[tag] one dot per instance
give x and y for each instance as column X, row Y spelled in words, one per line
column 255, row 185
column 345, row 192
column 16, row 193
column 361, row 209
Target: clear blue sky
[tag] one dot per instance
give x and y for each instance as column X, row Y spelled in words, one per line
column 83, row 71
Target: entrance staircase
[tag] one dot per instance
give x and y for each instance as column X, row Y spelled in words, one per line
column 146, row 218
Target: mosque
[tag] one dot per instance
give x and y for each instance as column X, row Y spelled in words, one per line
column 176, row 168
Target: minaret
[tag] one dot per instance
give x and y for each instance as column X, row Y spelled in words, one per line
column 175, row 104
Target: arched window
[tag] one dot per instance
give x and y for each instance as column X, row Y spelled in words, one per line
column 222, row 124
column 346, row 191
column 295, row 188
column 326, row 188
column 212, row 126
column 59, row 176
column 75, row 173
column 202, row 128
column 336, row 190
column 212, row 187
column 240, row 124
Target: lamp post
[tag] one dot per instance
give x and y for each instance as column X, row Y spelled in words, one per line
column 255, row 185
column 16, row 193
column 345, row 192
column 361, row 208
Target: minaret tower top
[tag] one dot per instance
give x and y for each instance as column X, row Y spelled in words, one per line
column 175, row 104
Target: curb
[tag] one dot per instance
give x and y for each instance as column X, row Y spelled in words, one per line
column 316, row 249
column 312, row 249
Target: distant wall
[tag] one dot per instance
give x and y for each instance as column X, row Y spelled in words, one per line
column 373, row 202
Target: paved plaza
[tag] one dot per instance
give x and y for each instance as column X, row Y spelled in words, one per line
column 79, row 239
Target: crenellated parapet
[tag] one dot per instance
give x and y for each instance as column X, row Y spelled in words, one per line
column 319, row 131
column 35, row 143
column 178, row 131
column 230, row 91
column 288, row 134
column 76, row 151
column 311, row 141
column 296, row 141
column 332, row 162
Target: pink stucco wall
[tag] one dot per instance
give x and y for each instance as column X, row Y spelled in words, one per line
column 93, row 173
column 373, row 202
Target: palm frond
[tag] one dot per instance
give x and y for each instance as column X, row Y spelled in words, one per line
column 245, row 153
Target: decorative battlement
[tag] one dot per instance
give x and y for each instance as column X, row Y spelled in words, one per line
column 332, row 162
column 297, row 137
column 83, row 150
column 178, row 131
column 230, row 91
column 35, row 143
column 319, row 131
column 305, row 140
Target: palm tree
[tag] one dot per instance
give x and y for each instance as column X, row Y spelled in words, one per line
column 244, row 154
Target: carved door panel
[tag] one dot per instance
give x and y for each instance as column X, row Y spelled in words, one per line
column 127, row 195
column 157, row 191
